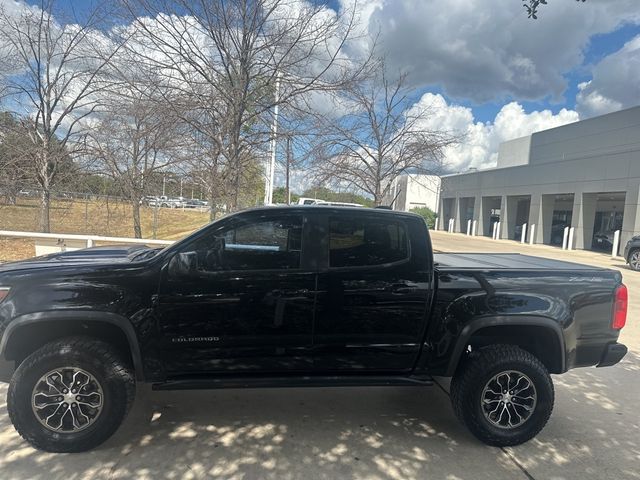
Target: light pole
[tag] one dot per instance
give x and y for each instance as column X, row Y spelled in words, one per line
column 268, row 190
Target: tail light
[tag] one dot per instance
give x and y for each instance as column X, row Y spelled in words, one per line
column 620, row 302
column 4, row 291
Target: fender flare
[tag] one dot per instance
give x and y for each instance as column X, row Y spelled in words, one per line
column 497, row 321
column 79, row 315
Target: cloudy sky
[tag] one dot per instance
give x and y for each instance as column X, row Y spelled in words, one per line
column 493, row 74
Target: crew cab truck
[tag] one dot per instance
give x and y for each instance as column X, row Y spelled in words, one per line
column 298, row 296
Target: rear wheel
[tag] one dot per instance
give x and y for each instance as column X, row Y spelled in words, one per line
column 634, row 259
column 503, row 394
column 70, row 395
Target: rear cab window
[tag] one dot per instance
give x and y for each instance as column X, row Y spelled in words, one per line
column 360, row 241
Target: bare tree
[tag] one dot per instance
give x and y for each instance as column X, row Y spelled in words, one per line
column 379, row 137
column 55, row 77
column 225, row 58
column 134, row 140
column 14, row 157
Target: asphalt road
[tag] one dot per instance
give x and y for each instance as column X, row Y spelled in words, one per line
column 362, row 433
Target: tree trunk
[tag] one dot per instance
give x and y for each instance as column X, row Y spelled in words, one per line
column 377, row 196
column 45, row 204
column 45, row 194
column 213, row 199
column 137, row 227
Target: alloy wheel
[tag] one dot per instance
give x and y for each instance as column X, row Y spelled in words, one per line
column 509, row 399
column 67, row 400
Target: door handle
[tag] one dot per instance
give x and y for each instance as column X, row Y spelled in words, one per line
column 289, row 293
column 403, row 288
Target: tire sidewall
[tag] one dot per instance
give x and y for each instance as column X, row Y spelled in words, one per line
column 541, row 413
column 22, row 415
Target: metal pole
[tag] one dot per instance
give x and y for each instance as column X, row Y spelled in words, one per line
column 565, row 238
column 268, row 191
column 523, row 234
column 288, row 169
column 164, row 181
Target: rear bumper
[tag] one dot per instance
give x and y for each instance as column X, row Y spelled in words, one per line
column 6, row 370
column 613, row 353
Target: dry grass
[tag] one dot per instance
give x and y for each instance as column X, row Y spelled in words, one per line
column 91, row 218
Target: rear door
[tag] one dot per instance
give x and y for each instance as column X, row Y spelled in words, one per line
column 373, row 292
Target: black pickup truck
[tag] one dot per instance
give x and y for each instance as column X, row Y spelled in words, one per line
column 298, row 296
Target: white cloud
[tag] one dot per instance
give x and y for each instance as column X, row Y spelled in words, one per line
column 479, row 146
column 614, row 84
column 483, row 50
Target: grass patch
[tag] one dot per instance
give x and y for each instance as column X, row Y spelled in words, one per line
column 92, row 217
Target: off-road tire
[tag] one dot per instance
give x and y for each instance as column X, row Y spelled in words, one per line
column 476, row 369
column 98, row 358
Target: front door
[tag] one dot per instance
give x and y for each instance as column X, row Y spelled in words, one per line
column 372, row 297
column 246, row 306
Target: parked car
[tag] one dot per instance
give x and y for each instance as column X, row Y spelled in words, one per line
column 167, row 202
column 148, row 200
column 603, row 240
column 298, row 296
column 557, row 233
column 632, row 252
column 195, row 203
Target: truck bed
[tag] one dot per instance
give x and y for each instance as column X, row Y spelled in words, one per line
column 502, row 261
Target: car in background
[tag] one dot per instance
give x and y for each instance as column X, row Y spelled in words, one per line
column 196, row 203
column 310, row 201
column 167, row 202
column 632, row 252
column 317, row 201
column 603, row 240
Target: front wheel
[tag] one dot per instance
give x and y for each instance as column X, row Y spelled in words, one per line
column 70, row 395
column 634, row 259
column 503, row 394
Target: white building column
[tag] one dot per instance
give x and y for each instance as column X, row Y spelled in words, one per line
column 583, row 218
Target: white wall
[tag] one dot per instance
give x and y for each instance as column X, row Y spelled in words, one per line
column 414, row 191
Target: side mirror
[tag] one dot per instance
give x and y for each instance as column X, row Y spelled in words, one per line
column 183, row 264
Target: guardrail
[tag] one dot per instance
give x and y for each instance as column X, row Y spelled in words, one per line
column 60, row 242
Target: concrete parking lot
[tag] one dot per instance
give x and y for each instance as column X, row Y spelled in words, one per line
column 362, row 433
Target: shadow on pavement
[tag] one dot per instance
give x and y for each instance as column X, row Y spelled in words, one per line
column 336, row 433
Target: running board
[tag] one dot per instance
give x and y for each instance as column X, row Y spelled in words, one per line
column 280, row 382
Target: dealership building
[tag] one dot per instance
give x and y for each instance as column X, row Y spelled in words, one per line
column 585, row 175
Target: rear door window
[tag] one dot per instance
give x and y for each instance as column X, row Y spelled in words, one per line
column 359, row 242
